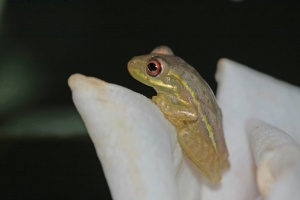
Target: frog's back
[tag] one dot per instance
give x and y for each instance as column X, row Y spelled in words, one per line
column 199, row 91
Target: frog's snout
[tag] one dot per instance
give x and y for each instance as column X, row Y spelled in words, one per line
column 132, row 67
column 131, row 63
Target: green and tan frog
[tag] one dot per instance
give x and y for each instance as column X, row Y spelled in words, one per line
column 189, row 104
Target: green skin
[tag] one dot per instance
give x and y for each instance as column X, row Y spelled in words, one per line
column 190, row 105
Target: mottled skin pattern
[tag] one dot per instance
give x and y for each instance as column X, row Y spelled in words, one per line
column 190, row 105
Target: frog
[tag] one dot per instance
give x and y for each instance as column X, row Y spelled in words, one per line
column 187, row 101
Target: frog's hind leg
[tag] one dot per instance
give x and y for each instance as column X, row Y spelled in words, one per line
column 201, row 153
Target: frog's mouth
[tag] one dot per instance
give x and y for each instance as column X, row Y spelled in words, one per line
column 138, row 75
column 143, row 78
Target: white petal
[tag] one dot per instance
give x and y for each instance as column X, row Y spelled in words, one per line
column 277, row 156
column 132, row 139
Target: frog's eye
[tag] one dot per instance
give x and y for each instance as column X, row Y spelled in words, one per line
column 153, row 67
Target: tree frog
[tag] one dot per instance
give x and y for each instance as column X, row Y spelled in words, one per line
column 187, row 101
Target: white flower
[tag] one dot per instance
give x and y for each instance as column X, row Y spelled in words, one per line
column 142, row 159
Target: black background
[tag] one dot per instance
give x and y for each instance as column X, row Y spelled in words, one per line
column 98, row 39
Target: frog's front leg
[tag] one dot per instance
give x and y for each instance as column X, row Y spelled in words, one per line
column 175, row 111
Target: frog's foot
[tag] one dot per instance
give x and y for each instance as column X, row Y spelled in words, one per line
column 179, row 124
column 160, row 99
column 164, row 103
column 175, row 111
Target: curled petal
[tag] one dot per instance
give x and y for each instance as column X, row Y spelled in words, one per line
column 137, row 146
column 277, row 157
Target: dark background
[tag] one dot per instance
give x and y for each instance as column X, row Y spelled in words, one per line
column 54, row 39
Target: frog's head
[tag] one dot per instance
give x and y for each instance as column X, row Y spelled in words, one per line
column 154, row 69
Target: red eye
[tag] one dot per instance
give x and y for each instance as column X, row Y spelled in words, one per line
column 153, row 67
